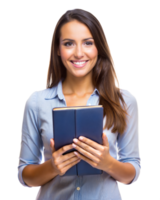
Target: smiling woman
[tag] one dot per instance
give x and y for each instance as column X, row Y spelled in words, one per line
column 78, row 58
column 77, row 55
column 81, row 73
column 75, row 29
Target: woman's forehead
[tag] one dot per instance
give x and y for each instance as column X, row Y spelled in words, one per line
column 75, row 30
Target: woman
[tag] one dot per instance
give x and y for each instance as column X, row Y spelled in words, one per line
column 80, row 73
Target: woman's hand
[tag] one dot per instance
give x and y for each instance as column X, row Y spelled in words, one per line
column 61, row 163
column 95, row 154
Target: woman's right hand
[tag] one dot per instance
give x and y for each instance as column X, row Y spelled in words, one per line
column 61, row 163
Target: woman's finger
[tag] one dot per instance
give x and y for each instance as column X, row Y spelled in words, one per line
column 52, row 145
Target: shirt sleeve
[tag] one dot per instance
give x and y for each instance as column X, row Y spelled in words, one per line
column 127, row 143
column 31, row 142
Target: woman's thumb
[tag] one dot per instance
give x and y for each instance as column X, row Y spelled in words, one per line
column 52, row 144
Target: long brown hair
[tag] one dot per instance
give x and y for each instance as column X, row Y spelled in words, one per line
column 104, row 77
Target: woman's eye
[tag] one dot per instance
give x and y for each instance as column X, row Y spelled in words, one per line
column 90, row 43
column 67, row 43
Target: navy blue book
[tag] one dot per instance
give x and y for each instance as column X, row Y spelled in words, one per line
column 74, row 121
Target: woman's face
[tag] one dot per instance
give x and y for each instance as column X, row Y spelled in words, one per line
column 77, row 49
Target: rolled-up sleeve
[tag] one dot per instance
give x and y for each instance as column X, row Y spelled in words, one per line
column 31, row 142
column 127, row 143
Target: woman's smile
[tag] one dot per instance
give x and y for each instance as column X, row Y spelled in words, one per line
column 77, row 49
column 79, row 64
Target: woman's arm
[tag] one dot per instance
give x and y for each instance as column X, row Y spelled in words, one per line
column 122, row 172
column 127, row 167
column 37, row 175
column 30, row 170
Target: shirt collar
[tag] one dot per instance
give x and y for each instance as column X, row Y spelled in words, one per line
column 57, row 91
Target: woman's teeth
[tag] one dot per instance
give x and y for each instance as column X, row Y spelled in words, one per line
column 79, row 63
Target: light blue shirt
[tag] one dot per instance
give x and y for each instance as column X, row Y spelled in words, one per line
column 37, row 130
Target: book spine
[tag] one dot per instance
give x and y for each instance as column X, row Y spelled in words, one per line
column 75, row 135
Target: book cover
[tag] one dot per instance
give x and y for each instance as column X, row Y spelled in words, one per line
column 72, row 122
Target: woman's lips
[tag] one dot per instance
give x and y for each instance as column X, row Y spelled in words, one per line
column 80, row 65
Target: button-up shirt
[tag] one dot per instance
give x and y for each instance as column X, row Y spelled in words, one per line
column 37, row 130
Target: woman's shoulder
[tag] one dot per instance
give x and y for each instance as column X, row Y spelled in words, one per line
column 43, row 94
column 31, row 102
column 36, row 97
column 128, row 97
column 127, row 94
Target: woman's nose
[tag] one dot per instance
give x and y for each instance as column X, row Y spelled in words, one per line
column 78, row 51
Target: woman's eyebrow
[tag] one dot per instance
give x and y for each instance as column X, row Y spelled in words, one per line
column 73, row 40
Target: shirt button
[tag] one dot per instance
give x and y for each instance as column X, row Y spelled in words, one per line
column 78, row 188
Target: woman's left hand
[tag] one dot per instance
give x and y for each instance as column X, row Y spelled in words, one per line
column 95, row 154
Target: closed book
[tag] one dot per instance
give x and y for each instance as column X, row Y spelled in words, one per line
column 74, row 121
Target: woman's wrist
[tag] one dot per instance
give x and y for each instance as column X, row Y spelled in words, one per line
column 122, row 172
column 38, row 175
